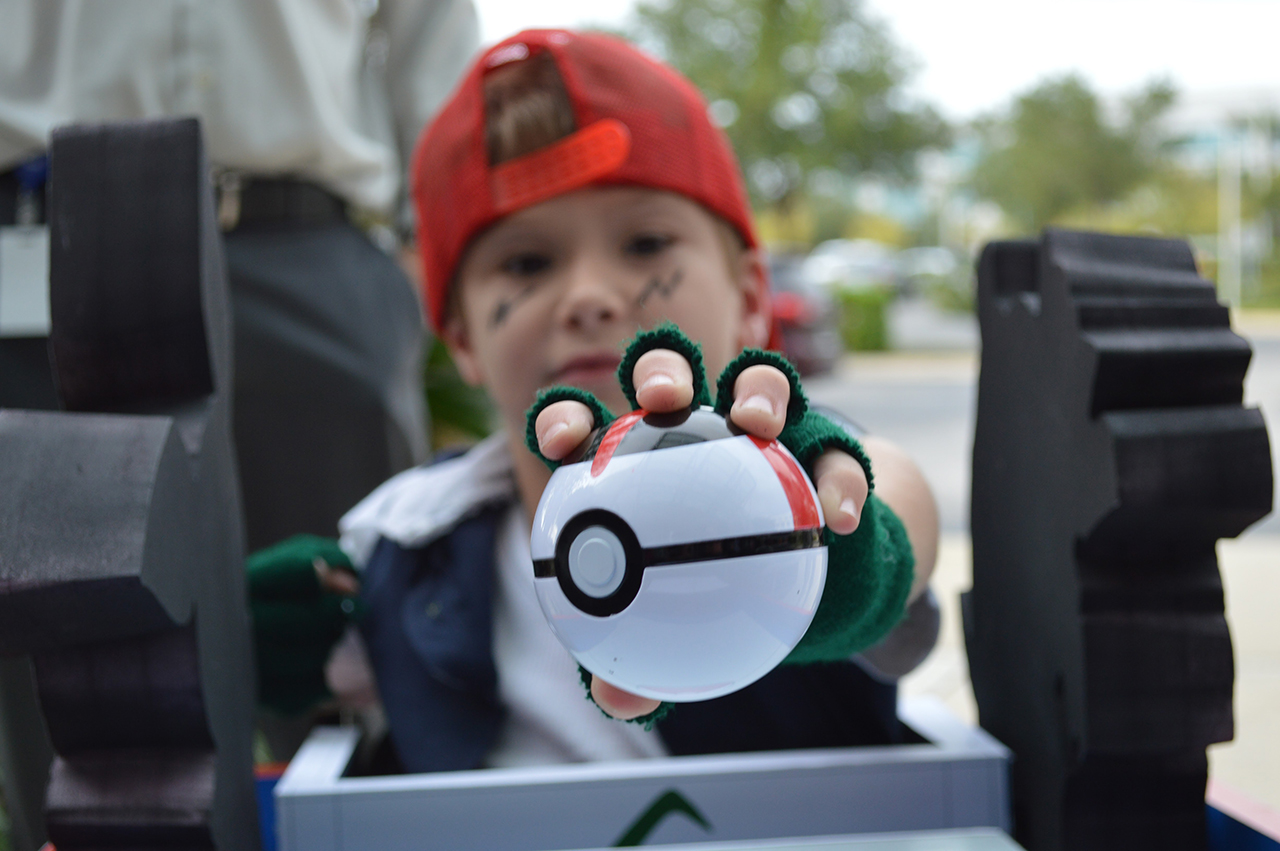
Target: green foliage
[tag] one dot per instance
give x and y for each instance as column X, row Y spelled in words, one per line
column 952, row 293
column 831, row 219
column 864, row 323
column 806, row 89
column 459, row 412
column 1055, row 153
column 1173, row 202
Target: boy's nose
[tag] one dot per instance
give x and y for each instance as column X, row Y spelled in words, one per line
column 591, row 299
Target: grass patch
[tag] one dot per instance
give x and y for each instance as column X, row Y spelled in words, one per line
column 863, row 324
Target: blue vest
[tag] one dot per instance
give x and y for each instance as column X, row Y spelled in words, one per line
column 429, row 630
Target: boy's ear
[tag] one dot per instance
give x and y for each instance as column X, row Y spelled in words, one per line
column 455, row 337
column 757, row 302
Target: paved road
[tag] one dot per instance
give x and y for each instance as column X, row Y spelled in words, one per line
column 1262, row 388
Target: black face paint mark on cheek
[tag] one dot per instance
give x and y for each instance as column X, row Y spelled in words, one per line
column 504, row 308
column 661, row 287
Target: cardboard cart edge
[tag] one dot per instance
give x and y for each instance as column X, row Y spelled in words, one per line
column 958, row 778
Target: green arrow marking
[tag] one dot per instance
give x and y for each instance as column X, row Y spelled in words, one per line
column 668, row 802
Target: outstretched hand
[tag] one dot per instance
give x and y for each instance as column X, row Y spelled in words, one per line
column 664, row 383
column 303, row 593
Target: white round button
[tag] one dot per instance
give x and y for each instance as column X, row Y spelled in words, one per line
column 597, row 561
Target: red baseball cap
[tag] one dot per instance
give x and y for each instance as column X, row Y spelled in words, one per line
column 639, row 123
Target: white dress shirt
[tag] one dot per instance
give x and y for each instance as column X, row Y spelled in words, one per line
column 334, row 91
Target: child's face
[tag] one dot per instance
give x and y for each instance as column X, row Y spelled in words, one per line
column 550, row 294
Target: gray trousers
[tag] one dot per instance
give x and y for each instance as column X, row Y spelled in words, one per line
column 328, row 397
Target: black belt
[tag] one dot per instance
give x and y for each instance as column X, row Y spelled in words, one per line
column 258, row 201
column 248, row 202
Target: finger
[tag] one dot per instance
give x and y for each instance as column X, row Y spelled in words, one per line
column 842, row 490
column 760, row 397
column 561, row 427
column 663, row 381
column 622, row 705
column 335, row 579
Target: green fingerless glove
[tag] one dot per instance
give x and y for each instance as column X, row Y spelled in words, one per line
column 869, row 575
column 649, row 721
column 665, row 336
column 560, row 393
column 296, row 623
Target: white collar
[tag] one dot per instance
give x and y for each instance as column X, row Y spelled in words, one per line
column 421, row 504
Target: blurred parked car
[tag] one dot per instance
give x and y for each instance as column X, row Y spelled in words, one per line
column 936, row 272
column 853, row 264
column 806, row 315
column 927, row 260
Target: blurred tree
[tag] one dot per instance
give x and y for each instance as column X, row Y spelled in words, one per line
column 1267, row 191
column 880, row 228
column 1173, row 201
column 1055, row 152
column 808, row 90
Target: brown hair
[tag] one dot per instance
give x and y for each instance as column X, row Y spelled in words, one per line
column 526, row 108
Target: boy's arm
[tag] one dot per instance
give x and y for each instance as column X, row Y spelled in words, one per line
column 901, row 486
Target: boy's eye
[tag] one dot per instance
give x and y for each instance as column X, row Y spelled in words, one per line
column 647, row 244
column 526, row 264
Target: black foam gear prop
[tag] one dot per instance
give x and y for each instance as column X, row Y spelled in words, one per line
column 121, row 562
column 1111, row 452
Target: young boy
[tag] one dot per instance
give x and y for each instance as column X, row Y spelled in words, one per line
column 571, row 193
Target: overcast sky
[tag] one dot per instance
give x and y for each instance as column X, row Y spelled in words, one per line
column 973, row 55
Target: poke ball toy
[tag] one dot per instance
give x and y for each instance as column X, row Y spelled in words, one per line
column 680, row 558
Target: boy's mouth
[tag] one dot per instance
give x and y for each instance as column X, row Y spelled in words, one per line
column 587, row 369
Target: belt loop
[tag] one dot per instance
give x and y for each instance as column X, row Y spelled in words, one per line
column 31, row 176
column 229, row 185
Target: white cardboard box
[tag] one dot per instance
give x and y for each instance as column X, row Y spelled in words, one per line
column 958, row 779
column 960, row 839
